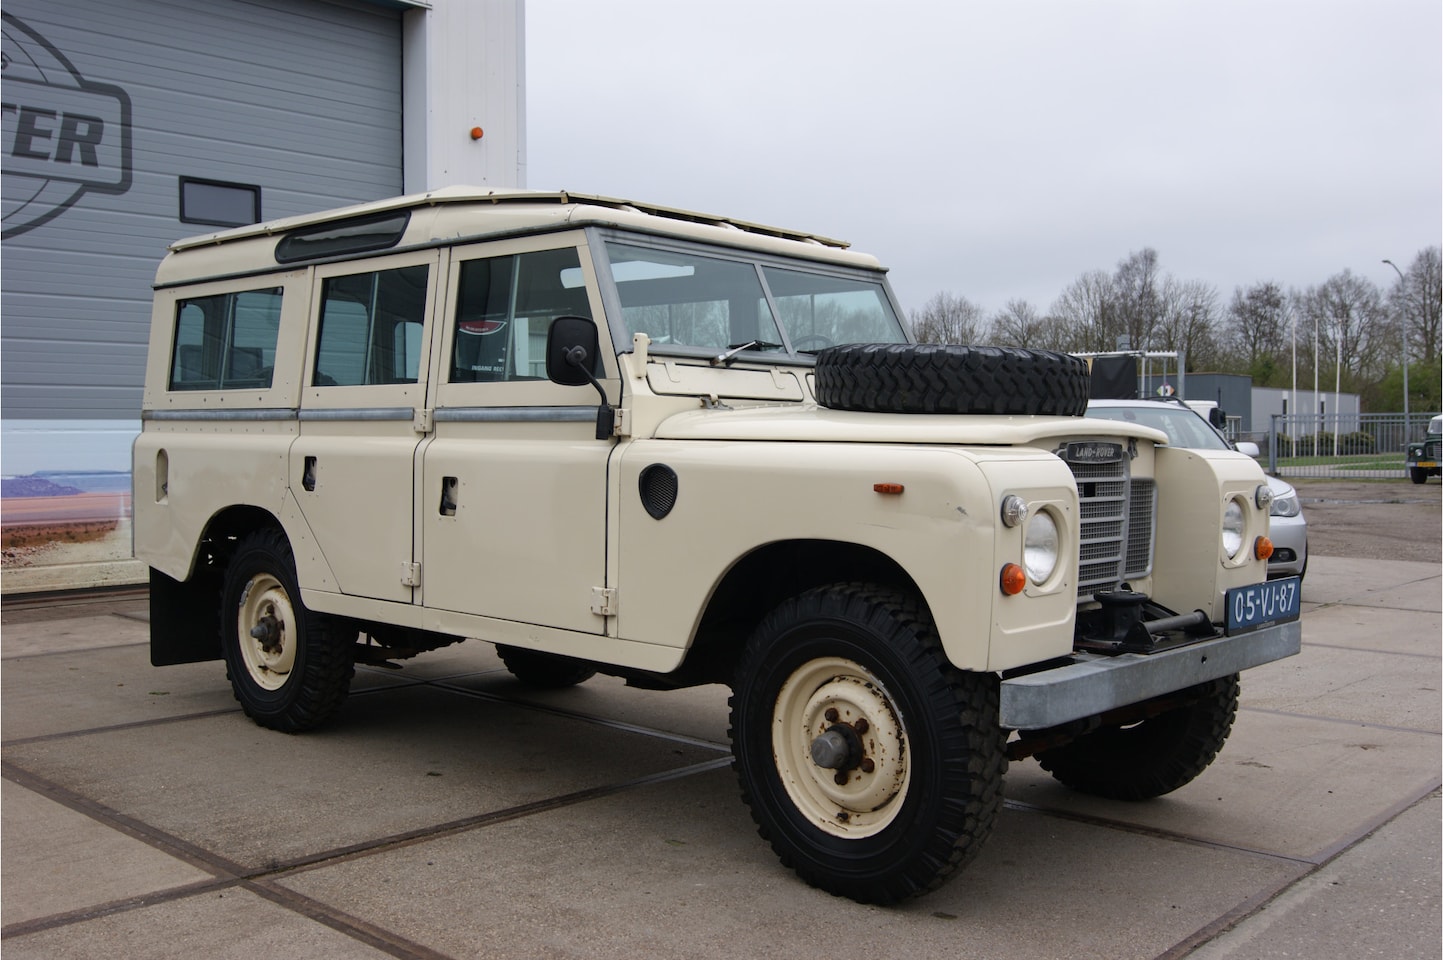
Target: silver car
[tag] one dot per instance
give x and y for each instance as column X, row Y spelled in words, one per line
column 1186, row 428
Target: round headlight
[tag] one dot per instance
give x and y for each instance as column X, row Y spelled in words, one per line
column 1039, row 547
column 1233, row 523
column 1263, row 495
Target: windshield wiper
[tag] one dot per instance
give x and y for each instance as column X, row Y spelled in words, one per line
column 728, row 358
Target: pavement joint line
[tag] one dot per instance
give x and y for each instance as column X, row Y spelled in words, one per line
column 70, row 650
column 1384, row 653
column 113, row 728
column 586, row 718
column 438, row 831
column 230, row 874
column 1267, row 895
column 344, row 923
column 1360, row 724
column 1156, row 833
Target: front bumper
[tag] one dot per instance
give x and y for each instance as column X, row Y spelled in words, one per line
column 1090, row 684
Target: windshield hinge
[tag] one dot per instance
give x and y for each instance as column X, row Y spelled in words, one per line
column 410, row 574
column 603, row 601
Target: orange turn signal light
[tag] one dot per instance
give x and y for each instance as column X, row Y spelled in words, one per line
column 1263, row 548
column 1013, row 580
column 477, row 133
column 892, row 488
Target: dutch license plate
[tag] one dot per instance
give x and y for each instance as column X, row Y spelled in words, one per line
column 1261, row 604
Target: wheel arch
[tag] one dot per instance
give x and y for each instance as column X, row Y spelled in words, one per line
column 762, row 579
column 185, row 613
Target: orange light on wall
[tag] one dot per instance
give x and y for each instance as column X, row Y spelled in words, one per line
column 477, row 133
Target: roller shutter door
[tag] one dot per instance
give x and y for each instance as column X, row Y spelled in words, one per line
column 108, row 104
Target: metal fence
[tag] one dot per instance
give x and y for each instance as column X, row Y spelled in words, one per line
column 1349, row 446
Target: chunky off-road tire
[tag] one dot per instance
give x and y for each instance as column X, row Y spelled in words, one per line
column 948, row 378
column 1153, row 757
column 1418, row 474
column 290, row 668
column 913, row 782
column 547, row 670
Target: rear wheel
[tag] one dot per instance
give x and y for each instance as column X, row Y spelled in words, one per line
column 1154, row 756
column 289, row 668
column 871, row 764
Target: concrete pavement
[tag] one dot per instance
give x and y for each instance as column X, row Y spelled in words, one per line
column 451, row 812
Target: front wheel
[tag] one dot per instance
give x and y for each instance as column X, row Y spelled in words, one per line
column 1418, row 474
column 1152, row 757
column 871, row 764
column 289, row 668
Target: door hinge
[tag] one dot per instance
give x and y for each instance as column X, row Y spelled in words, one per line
column 422, row 421
column 603, row 601
column 621, row 423
column 410, row 574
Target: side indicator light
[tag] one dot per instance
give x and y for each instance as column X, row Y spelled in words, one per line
column 1013, row 580
column 888, row 488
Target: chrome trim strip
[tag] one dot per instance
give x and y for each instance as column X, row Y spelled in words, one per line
column 359, row 413
column 234, row 415
column 515, row 414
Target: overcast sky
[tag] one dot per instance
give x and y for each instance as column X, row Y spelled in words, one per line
column 999, row 150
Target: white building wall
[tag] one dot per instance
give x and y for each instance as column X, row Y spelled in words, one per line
column 465, row 69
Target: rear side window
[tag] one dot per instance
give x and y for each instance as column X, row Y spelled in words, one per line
column 226, row 341
column 371, row 327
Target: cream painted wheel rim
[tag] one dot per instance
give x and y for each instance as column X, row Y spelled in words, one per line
column 265, row 604
column 853, row 803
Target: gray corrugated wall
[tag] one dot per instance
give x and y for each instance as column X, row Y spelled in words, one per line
column 300, row 97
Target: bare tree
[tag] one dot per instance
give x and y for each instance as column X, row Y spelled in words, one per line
column 1018, row 324
column 1256, row 334
column 1187, row 313
column 1139, row 297
column 1417, row 302
column 1346, row 311
column 1087, row 315
column 948, row 318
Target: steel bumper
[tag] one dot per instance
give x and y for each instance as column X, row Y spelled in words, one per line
column 1091, row 683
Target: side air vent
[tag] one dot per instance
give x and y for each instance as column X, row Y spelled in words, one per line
column 658, row 489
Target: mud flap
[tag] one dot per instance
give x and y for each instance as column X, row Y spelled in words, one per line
column 184, row 618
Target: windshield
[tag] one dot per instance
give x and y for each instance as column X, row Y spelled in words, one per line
column 1183, row 427
column 686, row 299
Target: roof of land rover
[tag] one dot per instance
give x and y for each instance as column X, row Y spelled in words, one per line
column 461, row 214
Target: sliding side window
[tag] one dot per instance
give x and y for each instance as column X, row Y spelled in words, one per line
column 371, row 328
column 226, row 341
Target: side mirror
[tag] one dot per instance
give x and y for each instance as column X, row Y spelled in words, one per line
column 1217, row 417
column 1249, row 448
column 572, row 344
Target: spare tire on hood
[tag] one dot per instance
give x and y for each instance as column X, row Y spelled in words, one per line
column 950, row 378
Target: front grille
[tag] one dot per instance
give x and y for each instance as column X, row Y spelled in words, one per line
column 1118, row 519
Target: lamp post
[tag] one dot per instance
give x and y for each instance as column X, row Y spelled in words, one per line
column 1407, row 427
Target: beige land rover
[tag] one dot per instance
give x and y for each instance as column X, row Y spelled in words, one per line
column 685, row 449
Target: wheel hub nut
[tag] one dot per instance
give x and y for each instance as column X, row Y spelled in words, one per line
column 267, row 631
column 838, row 749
